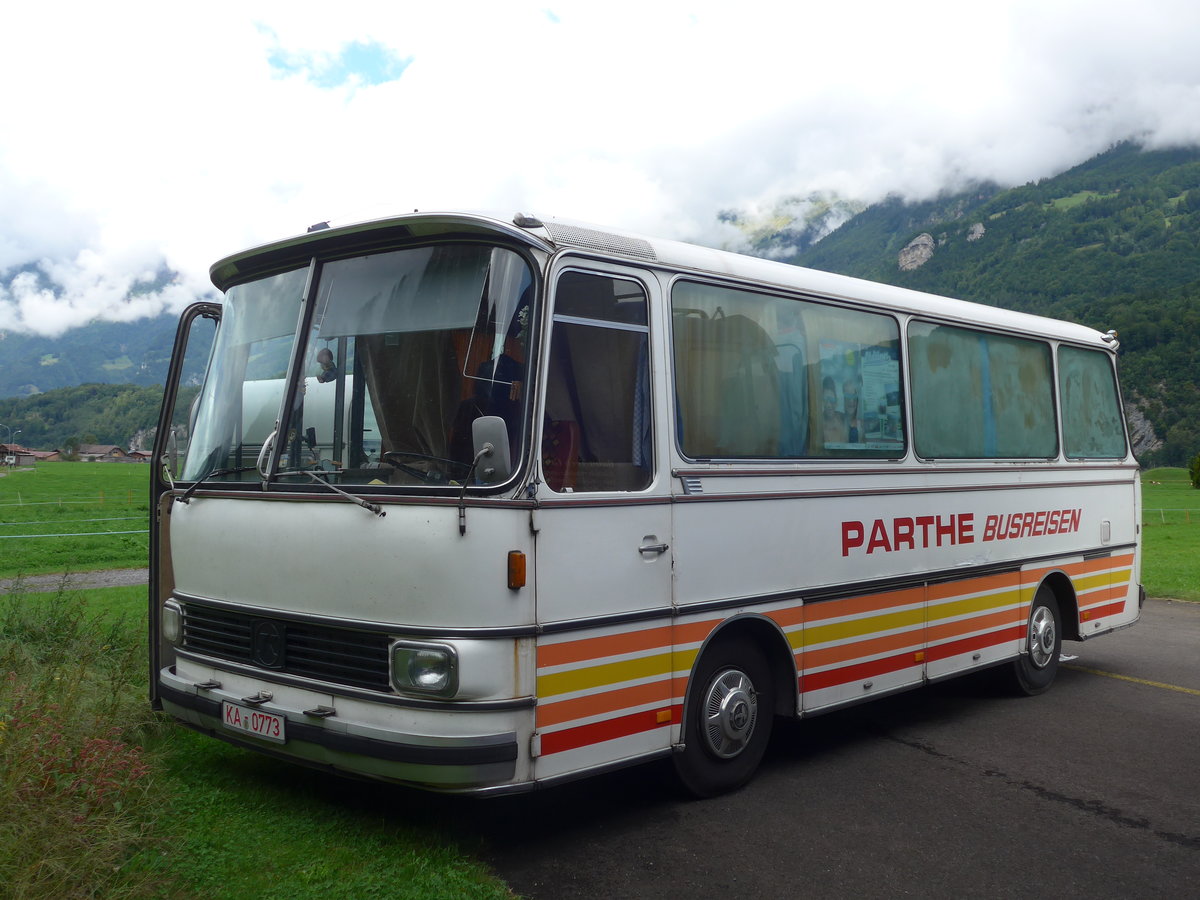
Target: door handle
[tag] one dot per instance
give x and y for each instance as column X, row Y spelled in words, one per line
column 264, row 454
column 652, row 548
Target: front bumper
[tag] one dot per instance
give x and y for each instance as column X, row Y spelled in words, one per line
column 459, row 763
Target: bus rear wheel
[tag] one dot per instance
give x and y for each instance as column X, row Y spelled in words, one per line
column 1033, row 672
column 728, row 718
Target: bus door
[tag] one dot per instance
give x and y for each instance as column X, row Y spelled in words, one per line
column 605, row 521
column 603, row 545
column 193, row 343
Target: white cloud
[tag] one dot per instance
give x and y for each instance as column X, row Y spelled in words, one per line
column 146, row 135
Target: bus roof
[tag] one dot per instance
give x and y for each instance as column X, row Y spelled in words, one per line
column 552, row 234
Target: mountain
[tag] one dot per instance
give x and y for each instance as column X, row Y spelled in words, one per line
column 1113, row 243
column 100, row 383
column 101, row 352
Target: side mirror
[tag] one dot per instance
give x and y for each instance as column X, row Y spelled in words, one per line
column 494, row 465
column 172, row 459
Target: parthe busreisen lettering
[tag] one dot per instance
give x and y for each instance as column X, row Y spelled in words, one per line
column 923, row 532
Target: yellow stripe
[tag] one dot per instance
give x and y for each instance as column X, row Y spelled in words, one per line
column 604, row 675
column 1156, row 684
column 986, row 603
column 1092, row 581
column 840, row 631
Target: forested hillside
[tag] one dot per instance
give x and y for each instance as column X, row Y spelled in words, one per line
column 1113, row 243
column 89, row 414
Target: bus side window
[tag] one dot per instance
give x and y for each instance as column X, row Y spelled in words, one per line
column 765, row 377
column 1093, row 425
column 596, row 430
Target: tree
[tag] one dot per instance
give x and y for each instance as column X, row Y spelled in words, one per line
column 1194, row 471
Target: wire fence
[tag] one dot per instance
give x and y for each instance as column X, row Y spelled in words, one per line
column 77, row 504
column 120, row 498
column 1152, row 516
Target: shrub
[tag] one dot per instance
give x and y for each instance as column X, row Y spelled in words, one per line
column 77, row 799
column 1194, row 470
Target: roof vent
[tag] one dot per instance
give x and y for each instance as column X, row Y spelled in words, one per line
column 589, row 239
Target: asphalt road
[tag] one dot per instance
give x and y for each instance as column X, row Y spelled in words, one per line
column 1091, row 790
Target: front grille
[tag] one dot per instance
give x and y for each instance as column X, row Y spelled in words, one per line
column 337, row 655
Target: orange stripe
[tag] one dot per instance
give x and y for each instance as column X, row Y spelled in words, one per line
column 1086, row 567
column 658, row 638
column 609, row 701
column 844, row 653
column 1105, row 595
column 605, row 645
column 867, row 603
column 949, row 630
column 793, row 615
column 953, row 589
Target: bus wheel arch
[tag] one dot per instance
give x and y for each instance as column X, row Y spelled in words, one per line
column 1068, row 603
column 1034, row 670
column 738, row 684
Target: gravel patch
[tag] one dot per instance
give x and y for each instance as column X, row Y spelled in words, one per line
column 73, row 581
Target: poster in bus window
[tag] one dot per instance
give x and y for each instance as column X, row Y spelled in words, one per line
column 860, row 396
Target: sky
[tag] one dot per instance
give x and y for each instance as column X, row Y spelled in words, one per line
column 138, row 138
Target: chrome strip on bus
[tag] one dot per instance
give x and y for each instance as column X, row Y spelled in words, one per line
column 391, row 628
column 351, row 693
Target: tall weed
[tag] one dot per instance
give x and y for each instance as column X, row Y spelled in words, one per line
column 77, row 796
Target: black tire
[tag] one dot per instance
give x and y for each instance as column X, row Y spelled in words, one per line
column 1033, row 671
column 727, row 718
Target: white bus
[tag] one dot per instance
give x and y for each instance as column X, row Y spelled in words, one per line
column 520, row 501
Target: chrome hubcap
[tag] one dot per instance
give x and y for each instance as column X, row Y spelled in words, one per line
column 730, row 713
column 1041, row 637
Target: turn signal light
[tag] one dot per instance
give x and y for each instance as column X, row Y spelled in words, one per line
column 516, row 570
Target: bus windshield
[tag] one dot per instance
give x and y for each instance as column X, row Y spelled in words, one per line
column 404, row 350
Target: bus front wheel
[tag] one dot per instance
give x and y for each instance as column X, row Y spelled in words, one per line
column 728, row 718
column 1033, row 672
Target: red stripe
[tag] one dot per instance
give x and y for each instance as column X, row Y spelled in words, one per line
column 608, row 730
column 978, row 642
column 831, row 678
column 1099, row 612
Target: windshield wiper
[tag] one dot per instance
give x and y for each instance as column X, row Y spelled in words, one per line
column 186, row 496
column 358, row 501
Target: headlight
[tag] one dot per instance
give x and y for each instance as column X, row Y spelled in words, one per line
column 424, row 668
column 172, row 621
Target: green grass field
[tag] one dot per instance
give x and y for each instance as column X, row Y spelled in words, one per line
column 73, row 517
column 1171, row 535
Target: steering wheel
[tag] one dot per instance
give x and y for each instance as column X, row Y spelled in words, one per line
column 393, row 457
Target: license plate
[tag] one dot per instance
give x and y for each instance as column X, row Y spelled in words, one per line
column 265, row 725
